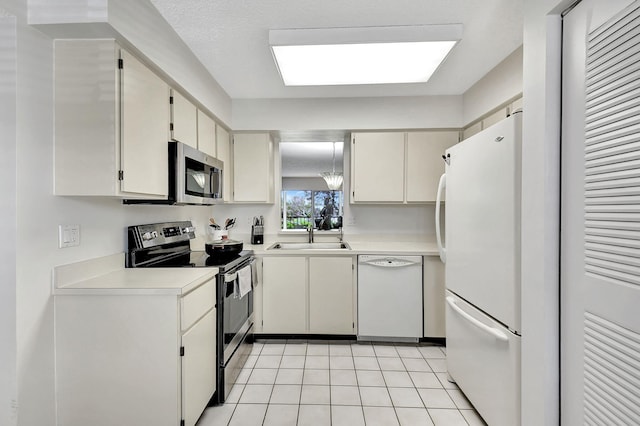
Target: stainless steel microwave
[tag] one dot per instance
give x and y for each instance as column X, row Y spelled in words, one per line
column 194, row 178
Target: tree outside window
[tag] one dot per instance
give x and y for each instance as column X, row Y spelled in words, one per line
column 321, row 208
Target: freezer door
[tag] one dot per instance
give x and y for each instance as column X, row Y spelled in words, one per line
column 483, row 358
column 482, row 219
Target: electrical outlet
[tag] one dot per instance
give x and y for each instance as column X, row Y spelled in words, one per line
column 68, row 236
column 351, row 220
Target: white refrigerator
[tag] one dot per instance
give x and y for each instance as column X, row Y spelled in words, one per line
column 481, row 252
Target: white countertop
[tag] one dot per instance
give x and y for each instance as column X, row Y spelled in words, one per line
column 108, row 276
column 418, row 248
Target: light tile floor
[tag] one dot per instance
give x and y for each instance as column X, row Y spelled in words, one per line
column 343, row 383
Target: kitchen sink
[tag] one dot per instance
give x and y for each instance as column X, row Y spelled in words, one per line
column 310, row 246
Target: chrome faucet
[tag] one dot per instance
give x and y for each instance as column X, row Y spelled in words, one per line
column 310, row 231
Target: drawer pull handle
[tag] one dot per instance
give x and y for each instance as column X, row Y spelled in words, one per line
column 489, row 330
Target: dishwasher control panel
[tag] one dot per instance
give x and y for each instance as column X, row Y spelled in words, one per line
column 389, row 262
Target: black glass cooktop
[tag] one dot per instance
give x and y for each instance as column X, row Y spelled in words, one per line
column 200, row 259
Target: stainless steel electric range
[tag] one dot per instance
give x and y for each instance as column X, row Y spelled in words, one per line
column 167, row 245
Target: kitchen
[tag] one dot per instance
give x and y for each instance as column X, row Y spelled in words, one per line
column 30, row 250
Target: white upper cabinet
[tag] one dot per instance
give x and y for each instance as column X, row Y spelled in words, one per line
column 223, row 153
column 425, row 164
column 253, row 179
column 184, row 114
column 111, row 122
column 144, row 128
column 397, row 167
column 377, row 167
column 206, row 134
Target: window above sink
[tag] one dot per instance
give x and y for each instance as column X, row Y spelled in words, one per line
column 305, row 198
column 299, row 208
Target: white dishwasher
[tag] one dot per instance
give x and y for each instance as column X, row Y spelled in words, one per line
column 390, row 298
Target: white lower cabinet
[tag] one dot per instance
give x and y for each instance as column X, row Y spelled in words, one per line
column 434, row 297
column 331, row 295
column 308, row 295
column 284, row 294
column 118, row 358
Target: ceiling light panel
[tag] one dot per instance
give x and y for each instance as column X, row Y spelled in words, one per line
column 370, row 55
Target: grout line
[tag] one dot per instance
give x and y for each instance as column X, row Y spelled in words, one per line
column 397, row 355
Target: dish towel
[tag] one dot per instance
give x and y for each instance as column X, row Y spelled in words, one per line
column 244, row 281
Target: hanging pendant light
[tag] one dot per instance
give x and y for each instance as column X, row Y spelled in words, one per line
column 333, row 178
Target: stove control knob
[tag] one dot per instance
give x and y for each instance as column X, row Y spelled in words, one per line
column 147, row 236
column 188, row 229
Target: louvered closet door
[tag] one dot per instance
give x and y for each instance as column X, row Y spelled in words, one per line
column 600, row 250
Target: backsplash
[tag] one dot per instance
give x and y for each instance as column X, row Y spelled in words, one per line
column 368, row 221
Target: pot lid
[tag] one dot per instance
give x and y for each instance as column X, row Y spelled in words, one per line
column 224, row 243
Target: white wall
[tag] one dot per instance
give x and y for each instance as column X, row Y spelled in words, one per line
column 8, row 373
column 419, row 112
column 37, row 213
column 500, row 85
column 540, row 212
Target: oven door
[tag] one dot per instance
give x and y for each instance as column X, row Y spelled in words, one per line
column 198, row 176
column 237, row 318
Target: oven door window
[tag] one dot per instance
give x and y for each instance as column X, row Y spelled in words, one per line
column 236, row 312
column 201, row 180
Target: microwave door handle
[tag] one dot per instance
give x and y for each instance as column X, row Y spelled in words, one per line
column 212, row 172
column 215, row 190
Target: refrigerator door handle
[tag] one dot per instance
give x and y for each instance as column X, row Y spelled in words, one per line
column 499, row 335
column 442, row 184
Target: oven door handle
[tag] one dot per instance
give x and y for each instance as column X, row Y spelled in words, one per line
column 230, row 276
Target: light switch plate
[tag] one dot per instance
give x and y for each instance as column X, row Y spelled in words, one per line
column 68, row 236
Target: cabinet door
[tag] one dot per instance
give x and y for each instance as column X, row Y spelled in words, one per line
column 206, row 134
column 377, row 167
column 145, row 129
column 331, row 295
column 86, row 126
column 252, row 168
column 425, row 164
column 198, row 367
column 183, row 119
column 284, row 294
column 223, row 153
column 434, row 302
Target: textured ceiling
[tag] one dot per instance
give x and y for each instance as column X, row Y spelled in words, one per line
column 230, row 37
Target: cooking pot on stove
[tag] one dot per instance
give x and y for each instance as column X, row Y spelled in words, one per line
column 223, row 247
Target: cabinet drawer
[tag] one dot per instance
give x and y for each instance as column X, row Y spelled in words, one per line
column 195, row 304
